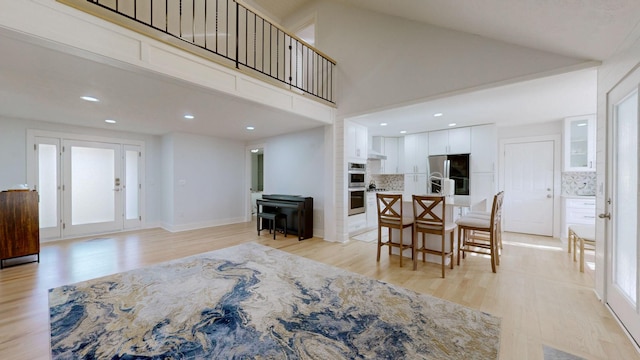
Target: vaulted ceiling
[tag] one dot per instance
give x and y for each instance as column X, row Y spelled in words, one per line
column 588, row 29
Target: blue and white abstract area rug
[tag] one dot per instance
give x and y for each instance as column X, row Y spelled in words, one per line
column 254, row 302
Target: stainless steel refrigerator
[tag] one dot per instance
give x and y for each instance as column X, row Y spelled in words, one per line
column 454, row 167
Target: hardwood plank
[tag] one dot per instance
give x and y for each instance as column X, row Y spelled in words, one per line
column 538, row 290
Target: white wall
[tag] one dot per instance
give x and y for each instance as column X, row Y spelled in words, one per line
column 539, row 129
column 208, row 181
column 13, row 157
column 294, row 165
column 385, row 61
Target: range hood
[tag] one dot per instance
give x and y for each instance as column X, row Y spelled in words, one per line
column 375, row 155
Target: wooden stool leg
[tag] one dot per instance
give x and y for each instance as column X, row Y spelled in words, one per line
column 581, row 255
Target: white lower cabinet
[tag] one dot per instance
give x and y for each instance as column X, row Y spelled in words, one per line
column 577, row 211
column 372, row 210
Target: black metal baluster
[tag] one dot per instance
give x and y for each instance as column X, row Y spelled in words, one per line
column 237, row 35
column 205, row 23
column 262, row 53
column 193, row 21
column 180, row 22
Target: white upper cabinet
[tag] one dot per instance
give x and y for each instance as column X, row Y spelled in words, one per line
column 484, row 148
column 416, row 150
column 356, row 142
column 392, row 150
column 452, row 141
column 579, row 143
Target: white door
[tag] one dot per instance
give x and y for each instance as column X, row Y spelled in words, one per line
column 92, row 186
column 622, row 207
column 529, row 187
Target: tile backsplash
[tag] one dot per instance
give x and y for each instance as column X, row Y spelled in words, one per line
column 391, row 182
column 579, row 183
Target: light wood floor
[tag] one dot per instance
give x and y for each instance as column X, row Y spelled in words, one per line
column 538, row 291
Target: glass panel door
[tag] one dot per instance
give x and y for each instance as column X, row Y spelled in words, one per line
column 92, row 185
column 48, row 186
column 132, row 186
column 622, row 235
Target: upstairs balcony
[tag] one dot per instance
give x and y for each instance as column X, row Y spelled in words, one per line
column 229, row 33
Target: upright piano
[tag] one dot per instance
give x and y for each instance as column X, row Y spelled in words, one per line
column 298, row 210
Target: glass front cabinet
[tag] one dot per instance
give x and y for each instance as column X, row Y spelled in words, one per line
column 580, row 143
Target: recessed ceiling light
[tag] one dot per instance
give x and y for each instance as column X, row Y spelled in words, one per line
column 189, row 116
column 255, row 150
column 110, row 121
column 403, row 132
column 383, row 124
column 89, row 98
column 452, row 124
column 438, row 114
column 250, row 128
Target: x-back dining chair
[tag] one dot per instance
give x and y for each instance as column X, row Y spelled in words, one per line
column 390, row 216
column 481, row 235
column 430, row 217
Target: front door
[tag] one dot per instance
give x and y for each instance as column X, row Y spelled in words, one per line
column 529, row 187
column 622, row 204
column 92, row 185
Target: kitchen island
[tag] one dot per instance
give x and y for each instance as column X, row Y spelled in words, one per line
column 457, row 206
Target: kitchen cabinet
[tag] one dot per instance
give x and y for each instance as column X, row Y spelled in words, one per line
column 415, row 184
column 483, row 186
column 356, row 142
column 393, row 149
column 416, row 153
column 484, row 148
column 484, row 152
column 579, row 210
column 19, row 225
column 452, row 141
column 579, row 143
column 372, row 210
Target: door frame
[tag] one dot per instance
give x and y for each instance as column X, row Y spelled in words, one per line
column 557, row 170
column 249, row 173
column 604, row 249
column 32, row 163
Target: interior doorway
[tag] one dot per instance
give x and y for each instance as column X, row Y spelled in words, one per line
column 256, row 166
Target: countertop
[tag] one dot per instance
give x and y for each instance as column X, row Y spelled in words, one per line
column 471, row 202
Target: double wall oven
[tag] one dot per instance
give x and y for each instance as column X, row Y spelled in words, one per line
column 357, row 196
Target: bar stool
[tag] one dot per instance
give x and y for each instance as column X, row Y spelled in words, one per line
column 586, row 234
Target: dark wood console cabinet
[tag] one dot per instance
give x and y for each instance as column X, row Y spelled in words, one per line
column 19, row 225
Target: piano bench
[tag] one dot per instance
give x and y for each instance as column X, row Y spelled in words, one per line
column 272, row 218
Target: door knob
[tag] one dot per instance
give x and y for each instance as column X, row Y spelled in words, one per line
column 605, row 216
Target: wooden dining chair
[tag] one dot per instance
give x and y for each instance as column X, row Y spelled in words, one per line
column 390, row 216
column 480, row 235
column 430, row 217
column 487, row 215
